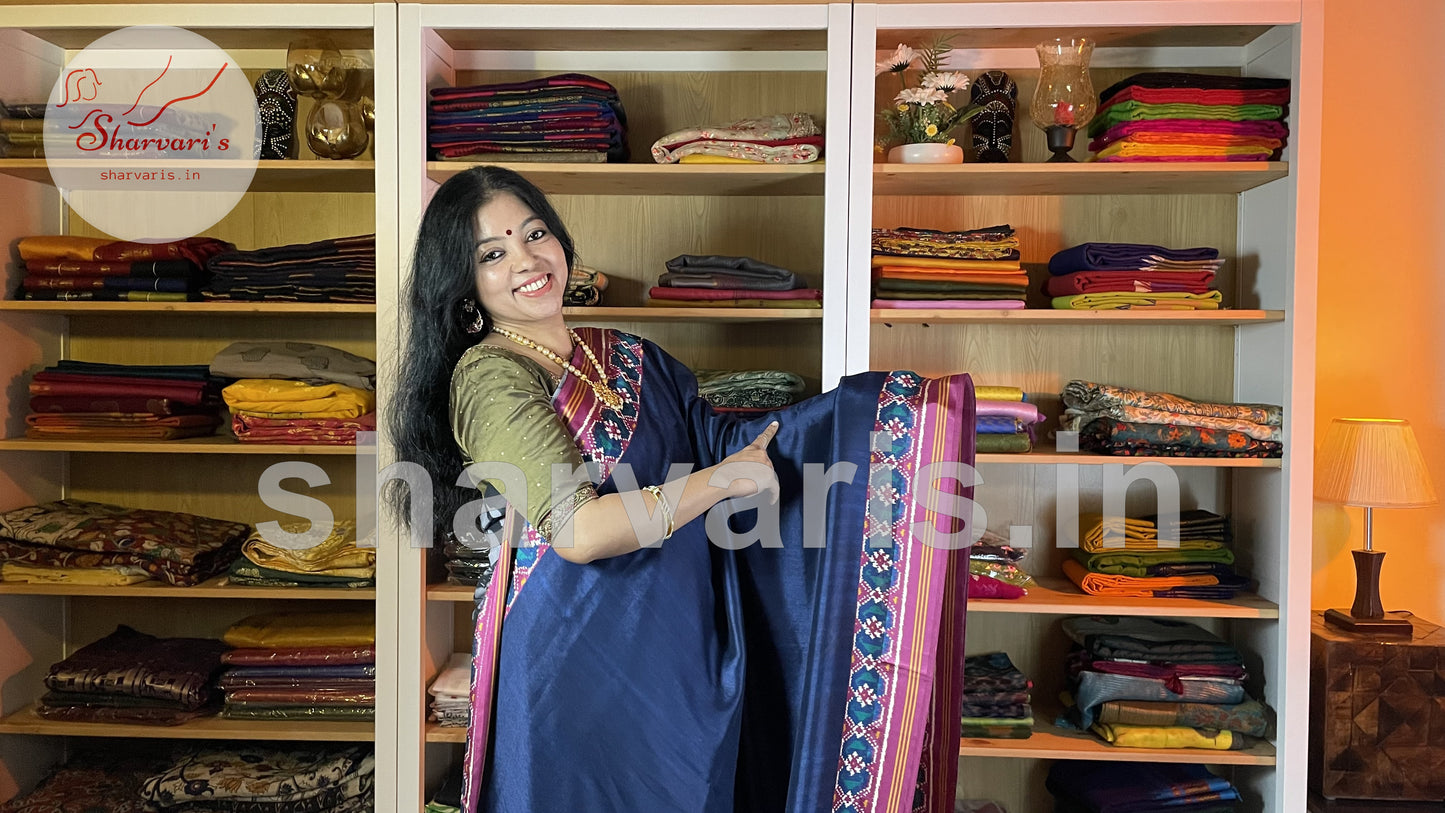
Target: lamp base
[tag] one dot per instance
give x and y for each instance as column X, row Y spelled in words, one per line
column 1384, row 625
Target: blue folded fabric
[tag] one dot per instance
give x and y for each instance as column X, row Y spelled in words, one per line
column 1120, row 256
column 996, row 425
column 1137, row 787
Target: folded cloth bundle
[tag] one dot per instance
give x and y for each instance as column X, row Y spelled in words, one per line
column 1184, row 131
column 1131, row 257
column 995, row 701
column 1088, row 396
column 1073, row 420
column 949, row 304
column 339, row 270
column 1190, row 117
column 1102, row 584
column 87, row 400
column 749, row 389
column 992, row 243
column 1080, row 786
column 1112, row 437
column 1140, row 301
column 130, row 676
column 300, row 361
column 781, row 139
column 1139, row 281
column 301, row 431
column 181, row 549
column 101, row 779
column 1195, row 529
column 322, row 666
column 338, row 555
column 285, row 399
column 451, row 692
column 584, row 286
column 722, row 271
column 295, row 629
column 254, row 777
column 1151, row 640
column 922, row 268
column 570, row 116
column 59, row 267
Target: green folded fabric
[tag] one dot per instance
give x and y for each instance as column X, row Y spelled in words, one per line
column 245, row 572
column 1134, row 562
column 1140, row 111
column 1017, row 443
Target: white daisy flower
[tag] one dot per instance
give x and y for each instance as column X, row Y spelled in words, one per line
column 946, row 81
column 898, row 61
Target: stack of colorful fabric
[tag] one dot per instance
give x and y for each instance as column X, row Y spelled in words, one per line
column 1124, row 556
column 1191, row 117
column 340, row 270
column 80, row 542
column 711, row 281
column 259, row 778
column 783, row 139
column 1121, row 421
column 748, row 390
column 286, row 393
column 1158, row 683
column 924, row 268
column 995, row 569
column 451, row 692
column 22, row 130
column 470, row 566
column 87, row 268
column 584, row 286
column 1081, row 786
column 1005, row 422
column 79, row 400
column 1113, row 276
column 301, row 666
column 336, row 561
column 98, row 779
column 570, row 117
column 996, row 698
column 132, row 677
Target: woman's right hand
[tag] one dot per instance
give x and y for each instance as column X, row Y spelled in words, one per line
column 743, row 466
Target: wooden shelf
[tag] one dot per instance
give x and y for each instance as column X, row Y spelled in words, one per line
column 1139, row 36
column 26, row 721
column 1051, row 742
column 213, row 308
column 213, row 588
column 450, row 592
column 437, row 733
column 1043, row 316
column 636, row 40
column 271, row 176
column 602, row 313
column 211, row 444
column 1055, row 596
column 658, row 179
column 1075, row 179
column 1048, row 457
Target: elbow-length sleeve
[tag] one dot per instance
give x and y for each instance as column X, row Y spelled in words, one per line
column 501, row 412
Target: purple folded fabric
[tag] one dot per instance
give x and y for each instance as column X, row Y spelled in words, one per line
column 1120, row 256
column 1248, row 129
column 1021, row 411
column 950, row 304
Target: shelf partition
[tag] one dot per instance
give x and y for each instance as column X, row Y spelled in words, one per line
column 217, row 587
column 27, row 721
column 271, row 176
column 206, row 308
column 1045, row 316
column 211, row 444
column 658, row 179
column 1075, row 179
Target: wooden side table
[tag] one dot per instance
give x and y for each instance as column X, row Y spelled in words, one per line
column 1377, row 714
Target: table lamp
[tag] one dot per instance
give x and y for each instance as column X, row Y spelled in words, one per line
column 1374, row 463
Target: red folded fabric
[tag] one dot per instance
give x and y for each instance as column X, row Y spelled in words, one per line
column 195, row 249
column 1220, row 96
column 1091, row 282
column 300, row 431
column 989, row 587
column 65, row 404
column 705, row 294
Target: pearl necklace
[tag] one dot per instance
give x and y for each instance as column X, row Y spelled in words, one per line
column 605, row 394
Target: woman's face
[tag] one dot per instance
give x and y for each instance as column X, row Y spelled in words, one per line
column 521, row 270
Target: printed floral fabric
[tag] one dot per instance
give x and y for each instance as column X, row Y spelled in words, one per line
column 782, row 139
column 1108, row 436
column 252, row 773
column 1250, row 717
column 95, row 782
column 132, row 663
column 1087, row 396
column 993, row 243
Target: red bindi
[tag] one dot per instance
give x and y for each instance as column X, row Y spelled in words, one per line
column 509, row 232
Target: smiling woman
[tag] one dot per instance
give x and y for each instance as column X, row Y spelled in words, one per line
column 775, row 676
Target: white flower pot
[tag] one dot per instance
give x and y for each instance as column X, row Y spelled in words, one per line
column 926, row 154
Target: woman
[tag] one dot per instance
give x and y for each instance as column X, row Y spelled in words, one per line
column 641, row 668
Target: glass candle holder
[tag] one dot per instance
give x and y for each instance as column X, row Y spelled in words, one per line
column 1064, row 100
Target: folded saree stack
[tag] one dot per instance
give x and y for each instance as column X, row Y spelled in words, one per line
column 569, row 117
column 451, row 692
column 465, row 565
column 1080, row 786
column 1006, row 423
column 336, row 561
column 79, row 400
column 132, row 677
column 713, row 281
column 748, row 390
column 1125, row 557
column 339, row 270
column 1158, row 683
column 584, row 286
column 297, row 393
column 925, row 268
column 1122, row 421
column 260, row 778
column 781, row 139
column 81, row 542
column 995, row 569
column 60, row 267
column 996, row 700
column 99, row 777
column 1116, row 276
column 1191, row 117
column 301, row 666
column 22, row 129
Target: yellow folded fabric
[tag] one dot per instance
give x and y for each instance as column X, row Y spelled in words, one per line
column 1126, row 148
column 1103, row 584
column 943, row 262
column 60, row 247
column 116, row 576
column 336, row 555
column 1115, row 300
column 1098, row 534
column 282, row 629
column 991, row 393
column 285, row 398
column 1142, row 736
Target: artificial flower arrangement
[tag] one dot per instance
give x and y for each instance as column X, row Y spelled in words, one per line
column 924, row 114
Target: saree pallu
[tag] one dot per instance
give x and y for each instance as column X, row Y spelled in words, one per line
column 818, row 677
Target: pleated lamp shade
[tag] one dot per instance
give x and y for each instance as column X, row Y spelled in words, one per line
column 1372, row 462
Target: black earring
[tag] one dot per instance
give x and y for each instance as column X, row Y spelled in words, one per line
column 472, row 319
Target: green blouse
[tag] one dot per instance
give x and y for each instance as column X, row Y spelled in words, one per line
column 501, row 411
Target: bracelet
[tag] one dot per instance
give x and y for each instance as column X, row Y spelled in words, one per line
column 662, row 503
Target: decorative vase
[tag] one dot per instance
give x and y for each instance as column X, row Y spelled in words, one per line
column 1064, row 99
column 336, row 129
column 926, row 154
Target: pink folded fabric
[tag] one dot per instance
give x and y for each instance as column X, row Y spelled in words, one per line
column 1021, row 411
column 1255, row 129
column 1139, row 281
column 1197, row 96
column 706, row 294
column 989, row 587
column 951, row 304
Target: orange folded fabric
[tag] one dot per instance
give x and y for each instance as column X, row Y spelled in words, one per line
column 943, row 275
column 1103, row 584
column 1204, row 139
column 60, row 247
column 942, row 262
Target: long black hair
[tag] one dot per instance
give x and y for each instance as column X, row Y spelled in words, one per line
column 440, row 303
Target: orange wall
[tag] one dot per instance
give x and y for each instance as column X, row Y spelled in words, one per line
column 1382, row 278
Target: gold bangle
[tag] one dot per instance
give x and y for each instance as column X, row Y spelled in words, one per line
column 665, row 506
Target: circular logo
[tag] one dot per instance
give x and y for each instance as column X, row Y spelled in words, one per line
column 152, row 134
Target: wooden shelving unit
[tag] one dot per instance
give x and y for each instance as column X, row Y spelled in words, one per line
column 26, row 721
